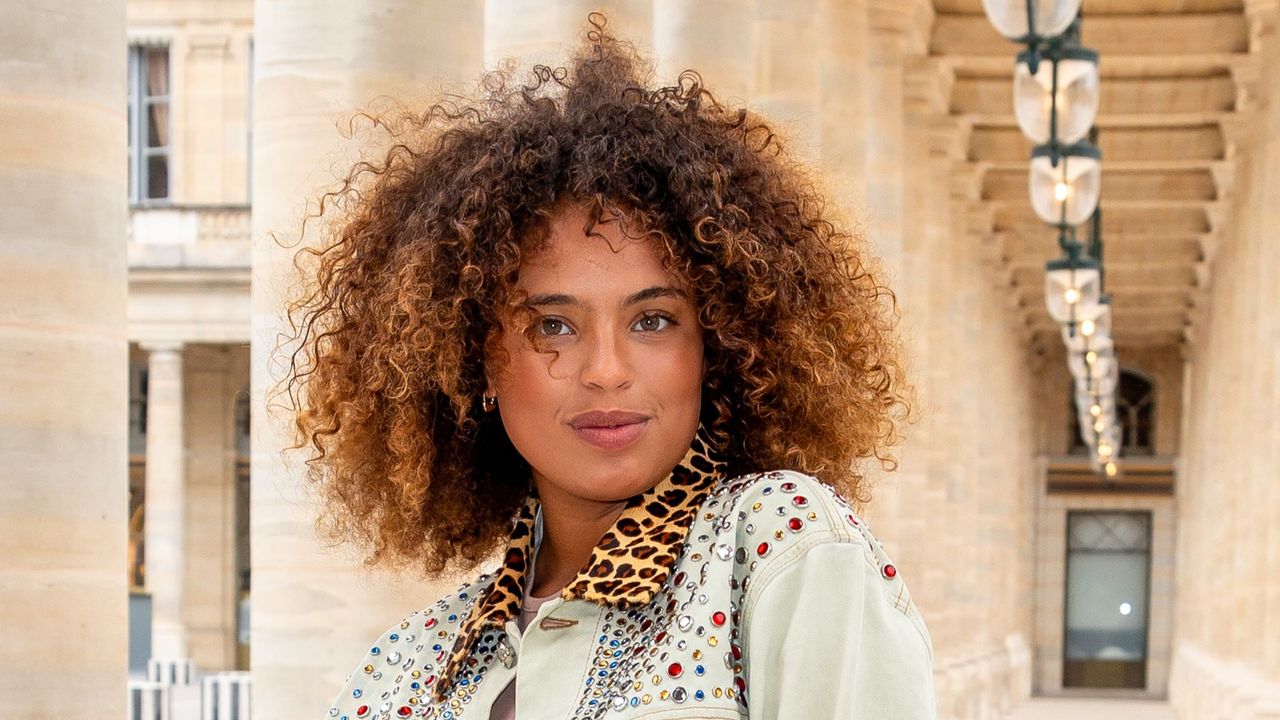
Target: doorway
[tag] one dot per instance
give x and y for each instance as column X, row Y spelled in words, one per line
column 1108, row 586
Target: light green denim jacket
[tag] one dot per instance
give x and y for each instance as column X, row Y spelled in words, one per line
column 761, row 596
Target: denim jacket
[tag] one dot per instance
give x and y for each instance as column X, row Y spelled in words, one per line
column 761, row 596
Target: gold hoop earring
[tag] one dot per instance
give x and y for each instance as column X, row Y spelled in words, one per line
column 489, row 403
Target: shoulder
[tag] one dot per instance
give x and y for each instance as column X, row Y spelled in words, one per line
column 404, row 659
column 792, row 530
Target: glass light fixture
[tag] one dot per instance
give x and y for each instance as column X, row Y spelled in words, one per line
column 1072, row 288
column 1091, row 363
column 1049, row 17
column 1059, row 100
column 1065, row 192
column 1090, row 333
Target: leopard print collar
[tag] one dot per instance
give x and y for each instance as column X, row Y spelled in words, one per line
column 627, row 568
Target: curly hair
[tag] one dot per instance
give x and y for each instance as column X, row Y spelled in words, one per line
column 422, row 248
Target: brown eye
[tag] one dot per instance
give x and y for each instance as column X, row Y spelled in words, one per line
column 552, row 326
column 653, row 322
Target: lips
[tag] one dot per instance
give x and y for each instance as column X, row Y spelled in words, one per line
column 611, row 430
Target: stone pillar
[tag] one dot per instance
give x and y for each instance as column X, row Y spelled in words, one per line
column 713, row 37
column 787, row 82
column 842, row 81
column 314, row 611
column 165, row 509
column 886, row 133
column 63, row 361
column 535, row 31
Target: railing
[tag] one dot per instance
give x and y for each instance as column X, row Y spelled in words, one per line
column 189, row 236
column 225, row 696
column 149, row 700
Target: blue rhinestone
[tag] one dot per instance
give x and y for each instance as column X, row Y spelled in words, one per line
column 453, row 618
column 357, row 693
column 613, row 643
column 376, row 651
column 602, row 673
column 699, row 694
column 462, row 595
column 414, row 685
column 613, row 664
column 699, row 670
column 437, row 648
column 635, row 701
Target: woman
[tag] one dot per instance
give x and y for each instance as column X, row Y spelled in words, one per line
column 615, row 331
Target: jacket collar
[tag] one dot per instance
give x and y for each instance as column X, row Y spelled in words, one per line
column 652, row 526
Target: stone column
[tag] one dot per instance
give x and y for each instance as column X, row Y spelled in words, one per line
column 843, row 122
column 165, row 509
column 63, row 361
column 314, row 611
column 787, row 82
column 713, row 37
column 535, row 31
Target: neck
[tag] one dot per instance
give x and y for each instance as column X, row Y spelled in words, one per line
column 571, row 528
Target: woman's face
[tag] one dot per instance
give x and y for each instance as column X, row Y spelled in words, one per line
column 613, row 408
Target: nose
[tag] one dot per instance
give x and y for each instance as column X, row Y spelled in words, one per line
column 607, row 363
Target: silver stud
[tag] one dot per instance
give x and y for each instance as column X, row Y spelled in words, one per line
column 724, row 551
column 393, row 658
column 679, row 695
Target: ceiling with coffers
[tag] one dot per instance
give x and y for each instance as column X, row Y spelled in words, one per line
column 1176, row 86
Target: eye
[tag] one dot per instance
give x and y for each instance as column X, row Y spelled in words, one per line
column 654, row 322
column 553, row 326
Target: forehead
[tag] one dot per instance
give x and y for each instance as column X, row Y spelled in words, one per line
column 607, row 262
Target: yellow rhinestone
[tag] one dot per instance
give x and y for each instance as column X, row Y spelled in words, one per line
column 712, row 641
column 737, row 667
column 415, row 674
column 757, row 507
column 697, row 654
column 663, row 695
column 777, row 534
column 646, row 699
column 695, row 557
column 728, row 692
column 717, row 692
column 813, row 516
column 638, row 685
column 709, row 516
column 413, row 701
column 656, row 680
column 368, row 668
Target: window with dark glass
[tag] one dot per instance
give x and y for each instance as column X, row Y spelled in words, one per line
column 148, row 124
column 1135, row 410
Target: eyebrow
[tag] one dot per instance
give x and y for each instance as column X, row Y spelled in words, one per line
column 650, row 293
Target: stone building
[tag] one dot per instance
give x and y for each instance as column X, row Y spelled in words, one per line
column 1016, row 551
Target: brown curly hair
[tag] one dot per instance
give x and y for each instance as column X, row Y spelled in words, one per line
column 417, row 267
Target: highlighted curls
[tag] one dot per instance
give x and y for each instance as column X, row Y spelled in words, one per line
column 417, row 267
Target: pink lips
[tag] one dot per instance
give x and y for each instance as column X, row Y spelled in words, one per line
column 612, row 430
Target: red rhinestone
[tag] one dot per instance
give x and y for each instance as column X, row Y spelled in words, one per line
column 680, row 578
column 362, row 711
column 644, row 626
column 853, row 520
column 737, row 652
column 404, row 711
column 430, row 679
column 890, row 571
column 800, row 501
column 431, row 622
column 675, row 670
column 788, row 486
column 662, row 634
column 762, row 548
column 717, row 617
column 795, row 524
column 741, row 683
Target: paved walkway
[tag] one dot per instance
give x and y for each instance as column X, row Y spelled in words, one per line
column 1038, row 708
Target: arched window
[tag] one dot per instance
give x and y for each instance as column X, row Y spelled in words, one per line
column 1135, row 409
